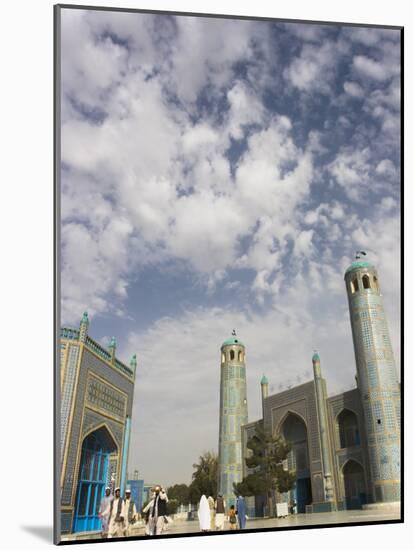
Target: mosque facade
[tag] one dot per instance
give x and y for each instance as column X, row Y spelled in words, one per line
column 345, row 448
column 96, row 395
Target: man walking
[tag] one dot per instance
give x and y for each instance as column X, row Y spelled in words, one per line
column 157, row 508
column 241, row 511
column 116, row 516
column 104, row 510
column 212, row 513
column 220, row 511
column 131, row 515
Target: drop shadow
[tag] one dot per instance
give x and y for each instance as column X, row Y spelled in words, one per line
column 42, row 532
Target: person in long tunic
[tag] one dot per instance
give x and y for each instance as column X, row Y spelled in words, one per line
column 241, row 511
column 157, row 508
column 204, row 514
column 104, row 510
column 212, row 513
column 220, row 511
column 116, row 516
column 131, row 515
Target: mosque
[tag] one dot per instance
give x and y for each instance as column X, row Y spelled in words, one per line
column 346, row 447
column 96, row 394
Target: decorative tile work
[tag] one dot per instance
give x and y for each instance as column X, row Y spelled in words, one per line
column 65, row 522
column 89, row 363
column 106, row 398
column 67, row 394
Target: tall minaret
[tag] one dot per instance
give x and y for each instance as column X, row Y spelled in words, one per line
column 321, row 396
column 376, row 378
column 233, row 414
column 264, row 387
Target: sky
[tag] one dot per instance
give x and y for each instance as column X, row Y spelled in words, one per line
column 220, row 174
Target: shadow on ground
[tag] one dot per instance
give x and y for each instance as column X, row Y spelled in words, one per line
column 45, row 533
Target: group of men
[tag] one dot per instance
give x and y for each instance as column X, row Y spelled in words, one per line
column 118, row 515
column 211, row 514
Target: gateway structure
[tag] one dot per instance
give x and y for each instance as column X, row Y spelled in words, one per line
column 95, row 422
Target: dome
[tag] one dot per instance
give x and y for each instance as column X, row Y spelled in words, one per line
column 234, row 341
column 359, row 264
column 264, row 380
column 316, row 357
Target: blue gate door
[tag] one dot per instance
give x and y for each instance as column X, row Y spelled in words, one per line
column 91, row 484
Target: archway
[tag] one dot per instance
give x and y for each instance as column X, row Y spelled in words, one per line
column 295, row 432
column 348, row 429
column 92, row 479
column 354, row 485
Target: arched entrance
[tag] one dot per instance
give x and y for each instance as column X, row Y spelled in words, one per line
column 348, row 429
column 354, row 485
column 295, row 432
column 92, row 478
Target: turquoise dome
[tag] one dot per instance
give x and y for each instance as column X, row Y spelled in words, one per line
column 232, row 342
column 316, row 357
column 264, row 380
column 358, row 264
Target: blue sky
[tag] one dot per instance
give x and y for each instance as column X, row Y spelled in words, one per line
column 220, row 174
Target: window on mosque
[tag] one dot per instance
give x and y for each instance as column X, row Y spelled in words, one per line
column 222, row 358
column 354, row 285
column 366, row 282
column 348, row 429
column 240, row 355
column 375, row 282
column 231, row 355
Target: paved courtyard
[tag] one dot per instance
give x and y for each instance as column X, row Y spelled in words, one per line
column 349, row 516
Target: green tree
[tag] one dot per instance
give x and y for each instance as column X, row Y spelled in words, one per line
column 268, row 454
column 172, row 506
column 205, row 477
column 179, row 492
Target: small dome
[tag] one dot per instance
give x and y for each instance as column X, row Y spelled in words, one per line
column 359, row 264
column 264, row 380
column 315, row 357
column 234, row 341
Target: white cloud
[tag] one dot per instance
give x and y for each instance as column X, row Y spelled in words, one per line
column 351, row 169
column 313, row 69
column 353, row 89
column 367, row 67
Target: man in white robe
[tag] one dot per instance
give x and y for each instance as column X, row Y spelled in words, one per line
column 131, row 515
column 157, row 508
column 204, row 514
column 116, row 516
column 220, row 511
column 104, row 510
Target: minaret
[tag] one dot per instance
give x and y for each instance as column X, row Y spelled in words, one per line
column 233, row 414
column 112, row 349
column 376, row 377
column 83, row 327
column 264, row 386
column 321, row 395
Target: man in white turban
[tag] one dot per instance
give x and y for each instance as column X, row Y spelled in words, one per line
column 116, row 516
column 204, row 514
column 104, row 510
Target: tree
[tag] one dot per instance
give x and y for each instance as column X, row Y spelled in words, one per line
column 205, row 477
column 179, row 492
column 172, row 506
column 268, row 454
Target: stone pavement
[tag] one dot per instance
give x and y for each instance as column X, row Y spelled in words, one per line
column 349, row 516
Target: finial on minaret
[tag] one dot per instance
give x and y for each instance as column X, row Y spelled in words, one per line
column 83, row 327
column 234, row 332
column 112, row 348
column 316, row 361
column 133, row 362
column 360, row 253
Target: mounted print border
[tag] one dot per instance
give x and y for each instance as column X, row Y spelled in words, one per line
column 228, row 291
